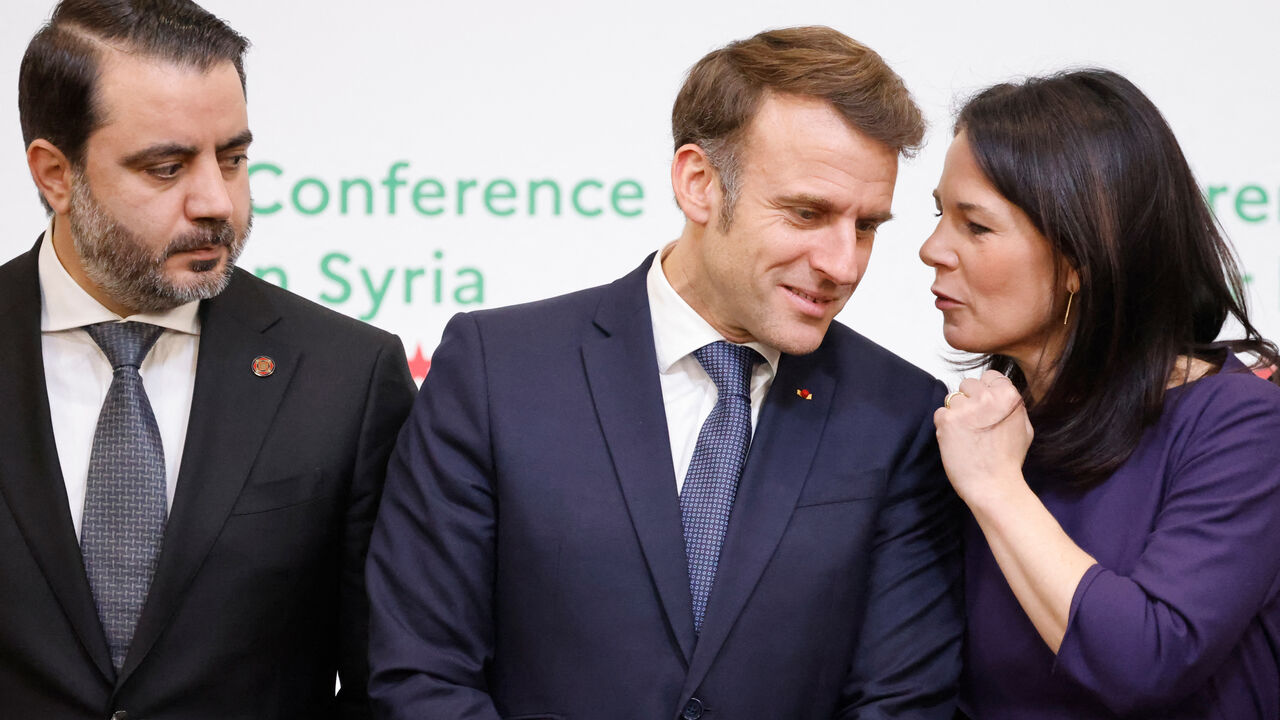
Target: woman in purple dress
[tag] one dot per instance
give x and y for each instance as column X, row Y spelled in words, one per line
column 1123, row 558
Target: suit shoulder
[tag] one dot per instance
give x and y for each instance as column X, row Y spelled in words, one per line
column 554, row 320
column 302, row 317
column 855, row 353
column 18, row 274
column 577, row 303
column 849, row 341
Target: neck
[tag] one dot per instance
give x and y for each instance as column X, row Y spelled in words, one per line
column 1039, row 373
column 683, row 268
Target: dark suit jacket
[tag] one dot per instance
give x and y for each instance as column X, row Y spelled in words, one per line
column 259, row 593
column 528, row 560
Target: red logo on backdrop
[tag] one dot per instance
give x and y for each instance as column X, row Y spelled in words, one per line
column 419, row 365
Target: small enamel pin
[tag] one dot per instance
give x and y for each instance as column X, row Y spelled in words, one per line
column 804, row 394
column 263, row 366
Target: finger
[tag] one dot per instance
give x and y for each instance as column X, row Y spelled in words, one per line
column 972, row 388
column 1015, row 407
column 992, row 378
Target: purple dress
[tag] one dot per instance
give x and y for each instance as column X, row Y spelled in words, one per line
column 1180, row 617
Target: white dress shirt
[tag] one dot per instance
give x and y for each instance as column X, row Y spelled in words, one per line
column 688, row 392
column 77, row 374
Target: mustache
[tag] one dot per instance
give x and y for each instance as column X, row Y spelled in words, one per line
column 217, row 233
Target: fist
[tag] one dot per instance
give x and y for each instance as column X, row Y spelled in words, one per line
column 983, row 435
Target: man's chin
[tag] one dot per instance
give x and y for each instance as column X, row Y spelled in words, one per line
column 197, row 280
column 799, row 340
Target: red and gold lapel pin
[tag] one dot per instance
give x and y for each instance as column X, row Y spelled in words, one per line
column 263, row 366
column 801, row 392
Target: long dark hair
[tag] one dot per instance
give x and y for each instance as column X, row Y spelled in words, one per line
column 1094, row 165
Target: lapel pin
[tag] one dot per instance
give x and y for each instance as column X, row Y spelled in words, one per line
column 263, row 366
column 804, row 394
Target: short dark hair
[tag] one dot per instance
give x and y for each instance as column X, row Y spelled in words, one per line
column 1094, row 165
column 57, row 83
column 724, row 90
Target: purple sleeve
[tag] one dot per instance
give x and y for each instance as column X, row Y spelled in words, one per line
column 1210, row 560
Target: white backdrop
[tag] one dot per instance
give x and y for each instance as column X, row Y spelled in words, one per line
column 576, row 96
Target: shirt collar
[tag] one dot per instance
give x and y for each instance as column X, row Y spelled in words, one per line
column 678, row 329
column 64, row 305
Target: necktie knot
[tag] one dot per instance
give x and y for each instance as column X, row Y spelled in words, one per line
column 124, row 344
column 729, row 366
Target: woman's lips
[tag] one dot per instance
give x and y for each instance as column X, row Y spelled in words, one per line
column 945, row 302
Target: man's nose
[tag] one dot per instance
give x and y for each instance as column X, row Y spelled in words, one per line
column 840, row 255
column 209, row 193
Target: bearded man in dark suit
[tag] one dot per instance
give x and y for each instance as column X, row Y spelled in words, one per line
column 192, row 457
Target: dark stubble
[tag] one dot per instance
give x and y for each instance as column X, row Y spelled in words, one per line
column 117, row 260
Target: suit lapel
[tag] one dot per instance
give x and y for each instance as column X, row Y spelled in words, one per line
column 782, row 451
column 623, row 376
column 30, row 476
column 231, row 412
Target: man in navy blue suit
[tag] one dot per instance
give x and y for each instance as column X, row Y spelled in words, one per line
column 689, row 493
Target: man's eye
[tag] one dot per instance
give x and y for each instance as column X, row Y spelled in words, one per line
column 807, row 214
column 165, row 172
column 235, row 161
column 977, row 229
column 868, row 227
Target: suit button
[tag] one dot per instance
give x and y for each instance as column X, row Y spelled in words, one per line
column 692, row 709
column 119, row 715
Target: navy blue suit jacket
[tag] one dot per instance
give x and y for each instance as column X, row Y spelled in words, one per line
column 528, row 560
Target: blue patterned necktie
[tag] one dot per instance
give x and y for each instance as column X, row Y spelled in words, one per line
column 124, row 505
column 712, row 480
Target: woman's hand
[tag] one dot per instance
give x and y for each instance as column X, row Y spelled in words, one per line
column 983, row 436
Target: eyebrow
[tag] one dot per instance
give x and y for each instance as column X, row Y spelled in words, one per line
column 244, row 137
column 965, row 206
column 820, row 203
column 156, row 153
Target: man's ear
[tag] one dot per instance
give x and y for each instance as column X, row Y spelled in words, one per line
column 51, row 172
column 696, row 184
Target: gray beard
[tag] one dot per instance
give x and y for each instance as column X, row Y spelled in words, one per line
column 118, row 262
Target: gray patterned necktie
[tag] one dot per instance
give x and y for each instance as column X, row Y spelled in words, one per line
column 124, row 505
column 712, row 480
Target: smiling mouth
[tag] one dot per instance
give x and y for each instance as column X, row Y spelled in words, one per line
column 815, row 299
